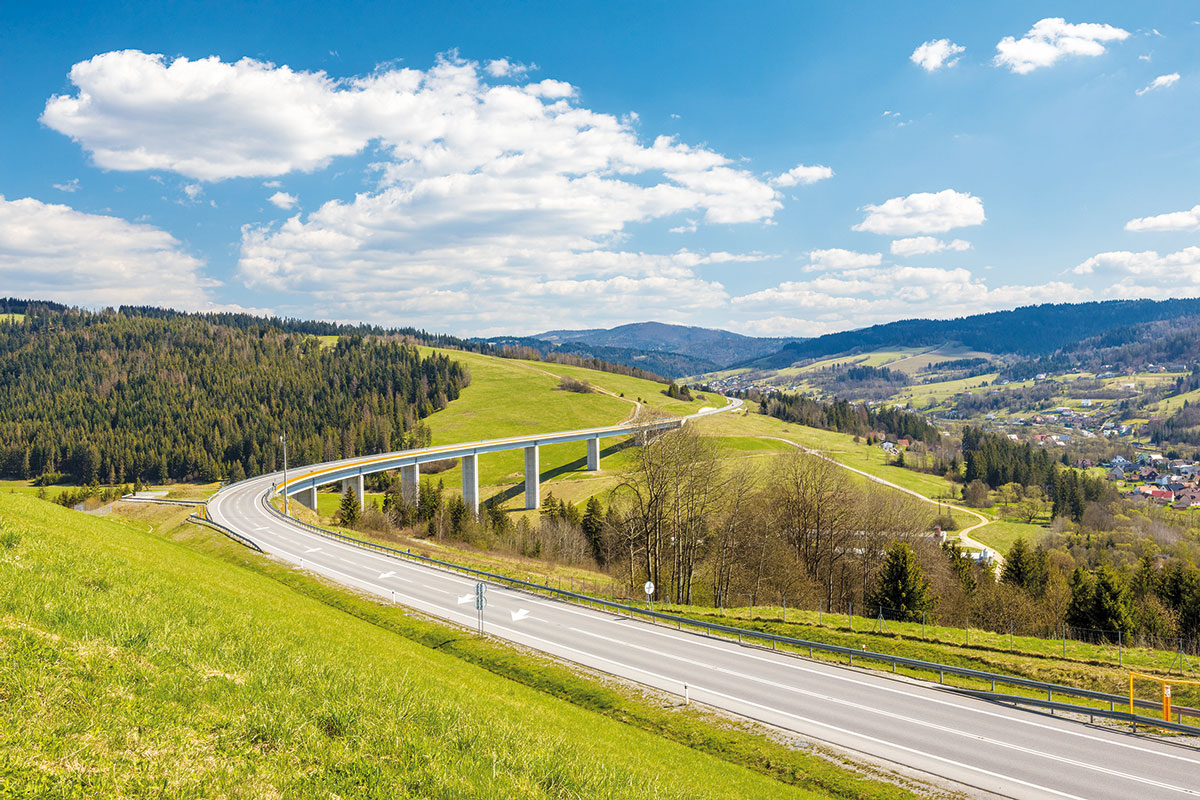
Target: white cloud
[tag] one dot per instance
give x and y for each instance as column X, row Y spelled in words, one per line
column 283, row 200
column 1147, row 273
column 70, row 186
column 873, row 295
column 923, row 212
column 1161, row 82
column 481, row 191
column 192, row 191
column 272, row 184
column 800, row 174
column 936, row 53
column 920, row 245
column 503, row 68
column 837, row 259
column 1173, row 221
column 54, row 252
column 1052, row 38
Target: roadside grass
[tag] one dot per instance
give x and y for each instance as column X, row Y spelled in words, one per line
column 138, row 666
column 175, row 491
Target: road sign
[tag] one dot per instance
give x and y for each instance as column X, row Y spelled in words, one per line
column 480, row 603
column 480, row 589
column 649, row 587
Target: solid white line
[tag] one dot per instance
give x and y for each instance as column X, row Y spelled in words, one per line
column 835, row 672
column 892, row 715
column 788, row 662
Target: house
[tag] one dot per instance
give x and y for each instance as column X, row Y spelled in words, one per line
column 1115, row 474
column 902, row 443
column 1085, row 403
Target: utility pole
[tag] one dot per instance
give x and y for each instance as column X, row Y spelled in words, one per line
column 283, row 439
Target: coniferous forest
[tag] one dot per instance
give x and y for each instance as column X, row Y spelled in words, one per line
column 135, row 394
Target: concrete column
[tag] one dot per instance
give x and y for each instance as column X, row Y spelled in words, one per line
column 470, row 482
column 410, row 483
column 356, row 483
column 307, row 496
column 533, row 481
column 593, row 454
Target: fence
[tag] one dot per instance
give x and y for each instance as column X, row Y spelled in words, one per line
column 232, row 534
column 795, row 645
column 1174, row 654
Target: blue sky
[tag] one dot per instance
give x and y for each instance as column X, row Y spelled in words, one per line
column 771, row 168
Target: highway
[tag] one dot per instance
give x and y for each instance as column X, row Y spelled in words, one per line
column 981, row 747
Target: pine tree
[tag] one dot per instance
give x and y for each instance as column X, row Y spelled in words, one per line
column 593, row 526
column 349, row 511
column 901, row 586
column 1018, row 564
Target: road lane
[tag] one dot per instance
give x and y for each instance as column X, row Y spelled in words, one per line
column 991, row 747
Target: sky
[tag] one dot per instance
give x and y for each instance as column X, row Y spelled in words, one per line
column 775, row 169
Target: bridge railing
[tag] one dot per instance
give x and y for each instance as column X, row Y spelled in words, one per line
column 776, row 641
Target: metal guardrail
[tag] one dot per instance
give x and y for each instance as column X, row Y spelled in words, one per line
column 232, row 534
column 800, row 644
column 129, row 498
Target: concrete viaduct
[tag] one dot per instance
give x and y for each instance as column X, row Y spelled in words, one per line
column 350, row 472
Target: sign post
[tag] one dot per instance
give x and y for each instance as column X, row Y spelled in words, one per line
column 649, row 589
column 480, row 602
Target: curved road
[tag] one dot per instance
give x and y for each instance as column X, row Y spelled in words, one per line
column 984, row 747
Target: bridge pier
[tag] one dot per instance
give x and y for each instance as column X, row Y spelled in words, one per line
column 470, row 482
column 410, row 483
column 593, row 453
column 533, row 481
column 356, row 483
column 308, row 497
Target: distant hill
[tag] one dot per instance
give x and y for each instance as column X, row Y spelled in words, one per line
column 1029, row 331
column 718, row 347
column 659, row 362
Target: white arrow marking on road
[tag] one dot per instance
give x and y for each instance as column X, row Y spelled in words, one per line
column 313, row 550
column 519, row 615
column 466, row 598
column 386, row 574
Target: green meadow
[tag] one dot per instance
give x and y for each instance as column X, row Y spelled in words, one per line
column 144, row 659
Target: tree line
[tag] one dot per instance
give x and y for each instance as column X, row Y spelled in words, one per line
column 844, row 417
column 118, row 396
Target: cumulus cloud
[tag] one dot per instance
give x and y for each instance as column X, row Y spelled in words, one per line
column 936, row 53
column 503, row 68
column 1146, row 273
column 55, row 252
column 880, row 294
column 70, row 186
column 283, row 200
column 837, row 259
column 923, row 212
column 1052, row 38
column 479, row 189
column 800, row 174
column 920, row 245
column 1161, row 82
column 1173, row 221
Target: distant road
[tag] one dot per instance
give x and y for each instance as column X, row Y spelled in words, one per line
column 983, row 747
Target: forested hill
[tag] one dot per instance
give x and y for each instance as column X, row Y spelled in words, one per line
column 1028, row 331
column 117, row 396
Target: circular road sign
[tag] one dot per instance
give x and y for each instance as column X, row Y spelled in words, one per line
column 649, row 587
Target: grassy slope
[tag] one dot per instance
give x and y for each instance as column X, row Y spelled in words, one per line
column 510, row 397
column 138, row 666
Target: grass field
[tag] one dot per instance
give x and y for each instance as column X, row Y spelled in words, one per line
column 1001, row 534
column 6, row 319
column 510, row 397
column 140, row 666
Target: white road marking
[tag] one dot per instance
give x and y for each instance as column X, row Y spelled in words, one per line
column 313, row 550
column 466, row 598
column 386, row 574
column 519, row 615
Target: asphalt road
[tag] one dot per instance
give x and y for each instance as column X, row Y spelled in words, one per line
column 987, row 747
